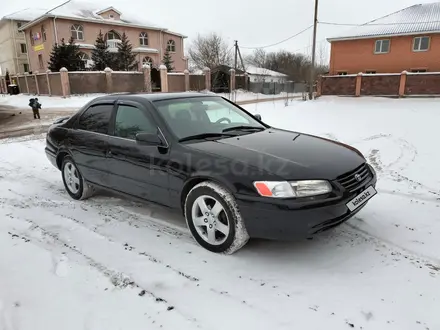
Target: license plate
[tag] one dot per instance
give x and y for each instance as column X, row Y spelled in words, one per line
column 361, row 199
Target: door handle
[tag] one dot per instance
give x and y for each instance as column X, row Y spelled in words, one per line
column 109, row 152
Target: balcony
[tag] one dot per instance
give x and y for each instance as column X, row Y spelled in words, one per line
column 113, row 45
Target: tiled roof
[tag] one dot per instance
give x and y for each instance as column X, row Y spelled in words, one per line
column 417, row 19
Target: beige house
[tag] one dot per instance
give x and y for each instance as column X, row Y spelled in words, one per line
column 13, row 49
column 83, row 21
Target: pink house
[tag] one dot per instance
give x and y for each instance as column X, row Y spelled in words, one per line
column 83, row 21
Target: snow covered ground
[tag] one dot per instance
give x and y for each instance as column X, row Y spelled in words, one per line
column 108, row 263
column 77, row 101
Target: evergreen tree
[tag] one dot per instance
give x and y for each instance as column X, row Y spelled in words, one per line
column 101, row 56
column 66, row 55
column 168, row 61
column 125, row 59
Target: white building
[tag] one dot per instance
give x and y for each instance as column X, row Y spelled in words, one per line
column 13, row 49
column 265, row 75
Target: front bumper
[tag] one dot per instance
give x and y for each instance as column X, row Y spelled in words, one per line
column 291, row 219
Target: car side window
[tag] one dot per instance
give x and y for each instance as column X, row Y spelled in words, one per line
column 96, row 118
column 130, row 121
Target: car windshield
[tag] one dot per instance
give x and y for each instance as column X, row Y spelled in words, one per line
column 210, row 116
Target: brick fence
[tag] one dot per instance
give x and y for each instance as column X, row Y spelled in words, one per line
column 65, row 83
column 390, row 84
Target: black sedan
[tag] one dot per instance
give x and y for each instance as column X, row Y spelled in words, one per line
column 232, row 175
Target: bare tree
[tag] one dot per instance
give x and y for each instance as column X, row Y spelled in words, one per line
column 210, row 51
column 257, row 58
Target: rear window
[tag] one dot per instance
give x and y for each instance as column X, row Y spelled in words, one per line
column 96, row 118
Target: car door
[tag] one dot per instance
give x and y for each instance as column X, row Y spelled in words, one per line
column 88, row 143
column 137, row 168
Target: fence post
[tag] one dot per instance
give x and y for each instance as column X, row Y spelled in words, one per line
column 26, row 82
column 186, row 73
column 358, row 84
column 163, row 78
column 207, row 73
column 246, row 81
column 232, row 80
column 48, row 82
column 36, row 83
column 402, row 84
column 147, row 78
column 319, row 87
column 108, row 80
column 65, row 84
column 4, row 86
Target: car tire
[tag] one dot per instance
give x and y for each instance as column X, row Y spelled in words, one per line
column 220, row 228
column 73, row 181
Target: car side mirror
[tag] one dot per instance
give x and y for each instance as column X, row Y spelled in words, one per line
column 149, row 138
column 257, row 116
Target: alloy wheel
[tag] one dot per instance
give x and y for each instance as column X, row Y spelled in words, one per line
column 210, row 220
column 71, row 177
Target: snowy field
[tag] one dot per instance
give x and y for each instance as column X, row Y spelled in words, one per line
column 108, row 263
column 77, row 101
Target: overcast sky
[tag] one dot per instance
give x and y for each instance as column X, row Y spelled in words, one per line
column 254, row 23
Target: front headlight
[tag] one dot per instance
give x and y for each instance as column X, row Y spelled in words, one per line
column 284, row 189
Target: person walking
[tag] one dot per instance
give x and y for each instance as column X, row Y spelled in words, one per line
column 36, row 106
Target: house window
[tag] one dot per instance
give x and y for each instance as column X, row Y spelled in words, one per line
column 23, row 48
column 43, row 33
column 171, row 46
column 342, row 73
column 32, row 37
column 382, row 46
column 112, row 35
column 143, row 39
column 77, row 32
column 421, row 44
column 40, row 61
column 419, row 70
column 370, row 72
column 25, row 67
column 19, row 25
column 111, row 16
column 147, row 60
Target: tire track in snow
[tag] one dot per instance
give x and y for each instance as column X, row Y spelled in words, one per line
column 416, row 258
column 85, row 205
column 45, row 239
column 198, row 285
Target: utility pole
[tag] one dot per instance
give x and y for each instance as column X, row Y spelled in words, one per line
column 312, row 69
column 241, row 58
column 236, row 54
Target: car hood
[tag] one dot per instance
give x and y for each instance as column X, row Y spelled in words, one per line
column 289, row 155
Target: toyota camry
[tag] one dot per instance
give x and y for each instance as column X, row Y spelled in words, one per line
column 230, row 174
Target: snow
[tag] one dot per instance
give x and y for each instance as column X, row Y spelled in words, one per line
column 88, row 10
column 416, row 19
column 77, row 101
column 110, row 263
column 22, row 101
column 253, row 70
column 27, row 14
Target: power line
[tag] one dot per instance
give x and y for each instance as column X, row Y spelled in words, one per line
column 377, row 24
column 282, row 41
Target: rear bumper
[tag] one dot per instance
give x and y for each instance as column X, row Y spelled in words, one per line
column 52, row 157
column 291, row 220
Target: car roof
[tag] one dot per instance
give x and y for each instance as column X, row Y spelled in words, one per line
column 154, row 96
